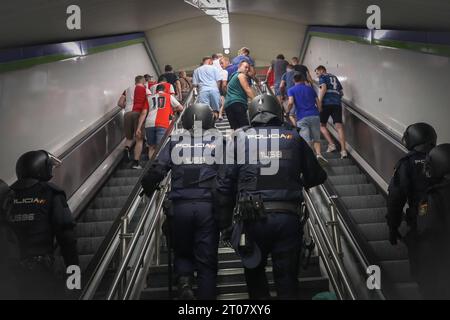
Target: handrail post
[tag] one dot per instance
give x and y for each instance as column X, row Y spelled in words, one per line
column 335, row 226
column 123, row 236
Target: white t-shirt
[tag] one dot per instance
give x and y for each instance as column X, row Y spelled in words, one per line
column 150, row 121
column 224, row 75
column 129, row 94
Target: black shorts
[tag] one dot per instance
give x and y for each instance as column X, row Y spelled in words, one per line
column 237, row 115
column 335, row 111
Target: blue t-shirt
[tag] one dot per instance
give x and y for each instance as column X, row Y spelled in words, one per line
column 206, row 77
column 333, row 96
column 231, row 69
column 289, row 78
column 237, row 60
column 304, row 100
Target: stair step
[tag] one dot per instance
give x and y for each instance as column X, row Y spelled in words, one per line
column 109, row 202
column 371, row 215
column 116, row 191
column 375, row 231
column 84, row 260
column 128, row 173
column 356, row 190
column 121, row 182
column 340, row 162
column 342, row 170
column 93, row 229
column 385, row 251
column 94, row 215
column 364, row 202
column 308, row 288
column 88, row 246
column 348, row 179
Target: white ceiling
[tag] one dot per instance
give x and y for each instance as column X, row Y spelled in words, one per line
column 25, row 22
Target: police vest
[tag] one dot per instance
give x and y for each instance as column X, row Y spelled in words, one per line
column 417, row 189
column 194, row 167
column 433, row 221
column 30, row 218
column 272, row 166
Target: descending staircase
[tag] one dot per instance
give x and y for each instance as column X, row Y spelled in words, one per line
column 366, row 209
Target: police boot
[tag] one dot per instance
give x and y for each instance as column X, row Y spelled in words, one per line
column 185, row 291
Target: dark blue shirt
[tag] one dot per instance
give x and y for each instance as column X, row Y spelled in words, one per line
column 304, row 100
column 289, row 78
column 333, row 95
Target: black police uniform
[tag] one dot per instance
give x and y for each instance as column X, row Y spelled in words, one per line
column 275, row 225
column 40, row 214
column 433, row 229
column 194, row 227
column 409, row 185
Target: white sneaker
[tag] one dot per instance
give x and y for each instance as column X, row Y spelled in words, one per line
column 331, row 148
column 136, row 165
column 322, row 161
column 344, row 154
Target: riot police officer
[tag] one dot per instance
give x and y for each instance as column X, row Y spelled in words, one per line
column 39, row 214
column 409, row 183
column 193, row 225
column 433, row 228
column 268, row 187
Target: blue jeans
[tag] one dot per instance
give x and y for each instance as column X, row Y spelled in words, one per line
column 211, row 98
column 154, row 135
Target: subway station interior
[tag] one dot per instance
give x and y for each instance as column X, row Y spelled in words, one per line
column 64, row 65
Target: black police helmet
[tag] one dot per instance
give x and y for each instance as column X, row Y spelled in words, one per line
column 198, row 112
column 36, row 165
column 420, row 137
column 437, row 164
column 264, row 109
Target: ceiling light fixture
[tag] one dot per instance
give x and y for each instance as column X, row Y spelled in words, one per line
column 218, row 9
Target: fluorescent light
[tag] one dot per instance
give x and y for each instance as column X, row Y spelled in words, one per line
column 226, row 35
column 217, row 9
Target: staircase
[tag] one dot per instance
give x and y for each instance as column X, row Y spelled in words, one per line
column 366, row 208
column 98, row 218
column 231, row 280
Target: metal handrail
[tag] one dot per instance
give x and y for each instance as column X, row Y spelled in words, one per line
column 110, row 245
column 152, row 230
column 124, row 265
column 334, row 256
column 350, row 239
column 136, row 236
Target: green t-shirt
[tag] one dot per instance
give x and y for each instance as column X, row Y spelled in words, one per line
column 235, row 92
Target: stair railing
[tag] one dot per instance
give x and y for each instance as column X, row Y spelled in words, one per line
column 130, row 251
